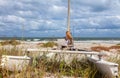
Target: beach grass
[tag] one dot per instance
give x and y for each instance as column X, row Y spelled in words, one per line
column 41, row 68
column 10, row 42
column 49, row 44
column 118, row 44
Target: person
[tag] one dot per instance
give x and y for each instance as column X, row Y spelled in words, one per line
column 65, row 45
column 69, row 38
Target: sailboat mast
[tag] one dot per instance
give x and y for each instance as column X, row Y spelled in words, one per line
column 68, row 18
column 68, row 34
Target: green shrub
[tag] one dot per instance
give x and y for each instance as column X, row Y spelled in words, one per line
column 12, row 42
column 49, row 44
column 118, row 44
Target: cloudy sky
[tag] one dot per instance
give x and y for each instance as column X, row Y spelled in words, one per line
column 39, row 18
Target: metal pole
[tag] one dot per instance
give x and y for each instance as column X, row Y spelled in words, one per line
column 68, row 19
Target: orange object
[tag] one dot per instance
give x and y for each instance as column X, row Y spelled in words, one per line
column 69, row 37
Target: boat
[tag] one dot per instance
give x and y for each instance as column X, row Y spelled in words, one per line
column 106, row 68
column 19, row 62
column 15, row 63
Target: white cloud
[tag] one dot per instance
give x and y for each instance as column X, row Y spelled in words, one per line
column 49, row 22
column 3, row 2
column 118, row 16
column 25, row 13
column 13, row 18
column 38, row 16
column 57, row 11
column 34, row 25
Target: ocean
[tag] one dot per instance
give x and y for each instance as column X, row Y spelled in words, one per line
column 55, row 38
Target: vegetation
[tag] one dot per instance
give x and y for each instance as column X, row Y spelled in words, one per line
column 11, row 42
column 118, row 44
column 49, row 44
column 115, row 47
column 42, row 67
column 99, row 48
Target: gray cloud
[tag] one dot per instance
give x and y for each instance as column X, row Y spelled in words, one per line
column 49, row 17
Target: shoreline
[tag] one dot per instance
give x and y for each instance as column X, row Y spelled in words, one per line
column 77, row 44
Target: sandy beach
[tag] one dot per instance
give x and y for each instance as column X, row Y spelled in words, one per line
column 83, row 45
column 111, row 48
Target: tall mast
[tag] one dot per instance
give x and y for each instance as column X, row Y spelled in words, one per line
column 68, row 34
column 68, row 18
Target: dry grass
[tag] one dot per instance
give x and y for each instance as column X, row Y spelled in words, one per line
column 118, row 44
column 99, row 48
column 40, row 68
column 10, row 42
column 102, row 48
column 49, row 44
column 115, row 47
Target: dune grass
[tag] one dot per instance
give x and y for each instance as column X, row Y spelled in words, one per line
column 43, row 67
column 103, row 48
column 118, row 44
column 10, row 42
column 49, row 44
